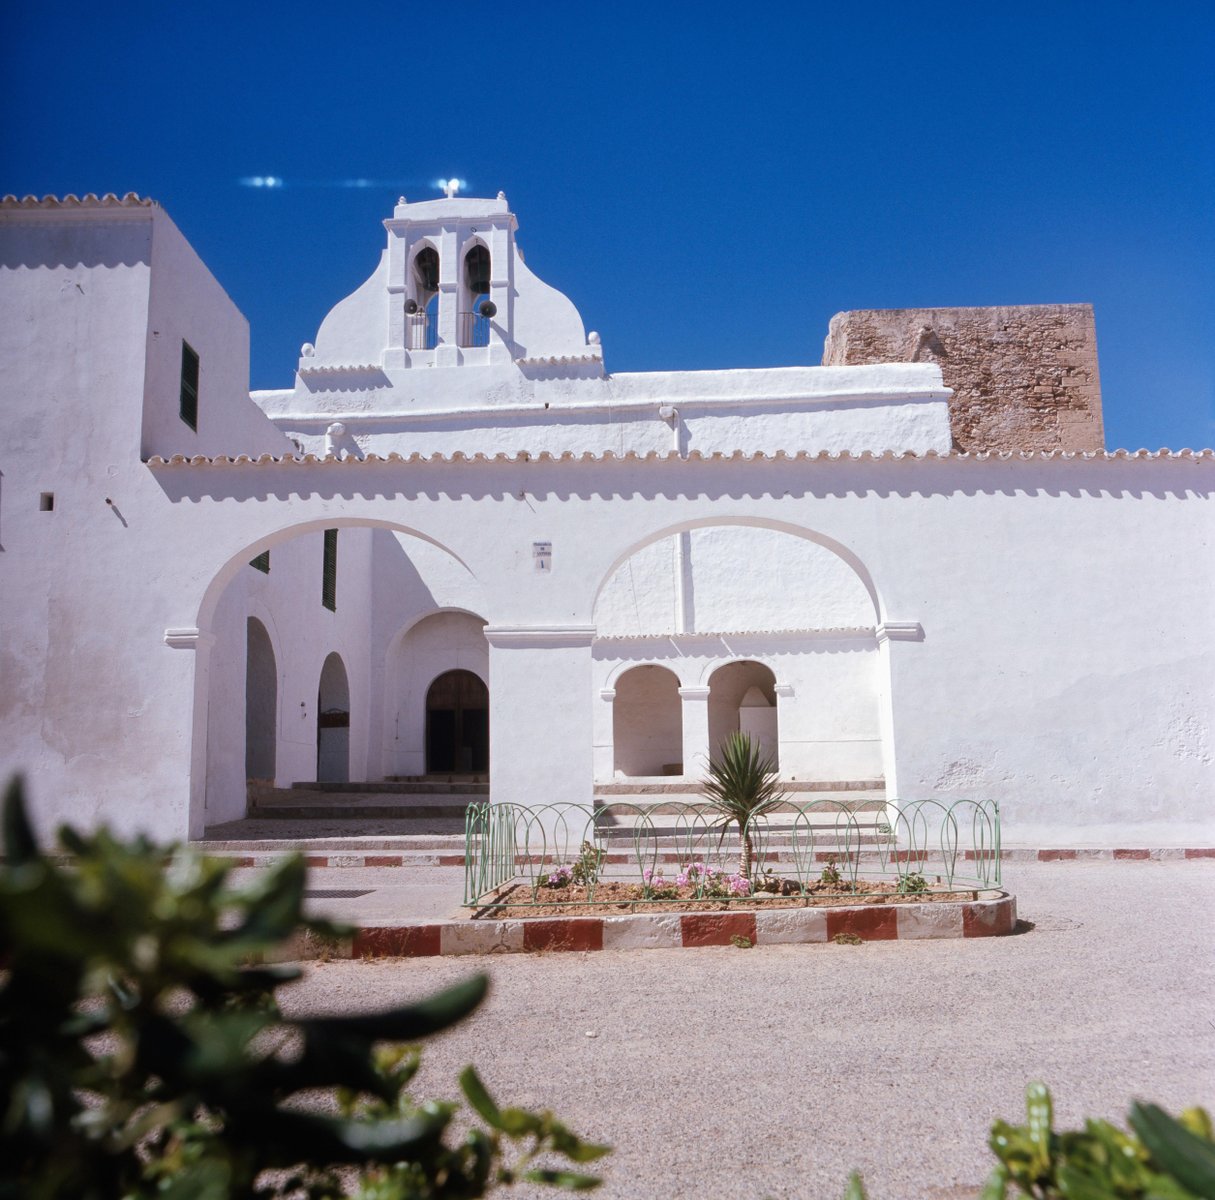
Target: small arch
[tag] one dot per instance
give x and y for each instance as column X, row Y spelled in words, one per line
column 683, row 668
column 647, row 723
column 261, row 704
column 742, row 697
column 457, row 724
column 333, row 722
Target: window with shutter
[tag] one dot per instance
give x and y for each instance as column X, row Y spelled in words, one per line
column 189, row 385
column 261, row 562
column 329, row 571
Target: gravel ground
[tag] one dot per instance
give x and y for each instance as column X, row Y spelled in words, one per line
column 771, row 1072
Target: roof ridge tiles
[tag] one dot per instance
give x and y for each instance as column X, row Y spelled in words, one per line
column 71, row 200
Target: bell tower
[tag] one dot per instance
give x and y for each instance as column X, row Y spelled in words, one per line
column 451, row 283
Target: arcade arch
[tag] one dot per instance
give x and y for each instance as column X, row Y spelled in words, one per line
column 261, row 703
column 333, row 722
column 647, row 723
column 742, row 698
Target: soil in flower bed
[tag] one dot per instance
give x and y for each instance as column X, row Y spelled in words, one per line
column 614, row 898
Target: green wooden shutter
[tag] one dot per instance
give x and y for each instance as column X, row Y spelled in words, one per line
column 189, row 385
column 329, row 571
column 261, row 562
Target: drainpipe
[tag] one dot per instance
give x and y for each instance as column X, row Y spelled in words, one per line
column 670, row 415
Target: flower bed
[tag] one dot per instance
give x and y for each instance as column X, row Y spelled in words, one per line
column 695, row 887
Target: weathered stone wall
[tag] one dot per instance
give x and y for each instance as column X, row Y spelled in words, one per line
column 1024, row 376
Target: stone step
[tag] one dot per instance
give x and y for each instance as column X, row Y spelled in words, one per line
column 868, row 808
column 424, row 808
column 418, row 786
column 657, row 786
column 436, row 779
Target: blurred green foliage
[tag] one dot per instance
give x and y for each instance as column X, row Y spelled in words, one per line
column 1164, row 1158
column 143, row 1053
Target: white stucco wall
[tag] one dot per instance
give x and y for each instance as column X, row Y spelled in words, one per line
column 186, row 303
column 1034, row 629
column 508, row 409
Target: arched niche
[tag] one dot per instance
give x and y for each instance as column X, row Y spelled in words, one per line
column 261, row 704
column 457, row 725
column 333, row 722
column 647, row 723
column 742, row 698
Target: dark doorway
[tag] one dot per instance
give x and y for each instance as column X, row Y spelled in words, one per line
column 457, row 725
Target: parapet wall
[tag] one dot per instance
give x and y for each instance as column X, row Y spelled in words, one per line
column 1024, row 377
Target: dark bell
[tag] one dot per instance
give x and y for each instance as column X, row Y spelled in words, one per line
column 487, row 308
column 411, row 307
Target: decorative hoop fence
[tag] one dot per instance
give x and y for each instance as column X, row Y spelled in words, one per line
column 521, row 856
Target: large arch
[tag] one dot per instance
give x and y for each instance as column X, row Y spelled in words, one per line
column 849, row 557
column 228, row 569
column 647, row 723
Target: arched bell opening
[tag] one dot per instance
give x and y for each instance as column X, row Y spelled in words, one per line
column 457, row 725
column 422, row 307
column 476, row 308
column 261, row 704
column 333, row 723
column 647, row 723
column 742, row 698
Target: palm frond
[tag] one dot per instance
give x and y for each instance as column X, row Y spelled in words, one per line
column 742, row 782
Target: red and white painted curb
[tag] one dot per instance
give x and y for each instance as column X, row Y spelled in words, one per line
column 993, row 917
column 421, row 858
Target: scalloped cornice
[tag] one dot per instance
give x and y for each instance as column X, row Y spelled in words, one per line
column 694, row 456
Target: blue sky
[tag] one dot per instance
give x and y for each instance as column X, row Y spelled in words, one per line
column 708, row 182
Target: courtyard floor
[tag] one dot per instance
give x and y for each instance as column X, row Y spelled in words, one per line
column 773, row 1071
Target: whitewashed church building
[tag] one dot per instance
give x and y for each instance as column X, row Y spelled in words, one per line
column 458, row 545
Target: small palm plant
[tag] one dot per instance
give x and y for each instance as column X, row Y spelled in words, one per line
column 742, row 785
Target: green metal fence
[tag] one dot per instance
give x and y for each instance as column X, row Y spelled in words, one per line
column 516, row 855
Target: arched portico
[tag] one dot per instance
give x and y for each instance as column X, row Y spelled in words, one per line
column 768, row 628
column 332, row 706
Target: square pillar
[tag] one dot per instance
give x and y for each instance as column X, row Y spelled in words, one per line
column 540, row 715
column 605, row 736
column 897, row 665
column 695, row 702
